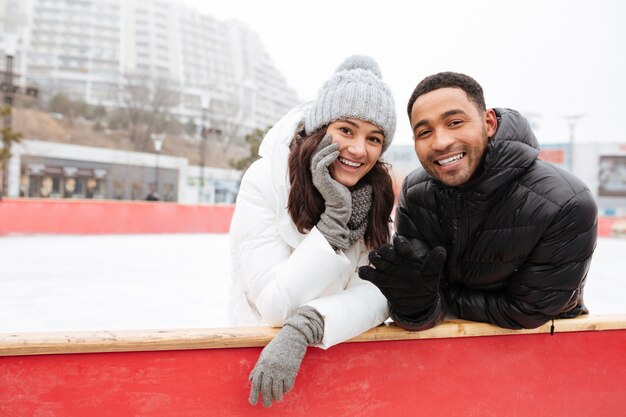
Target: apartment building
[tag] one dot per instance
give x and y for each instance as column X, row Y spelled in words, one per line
column 91, row 49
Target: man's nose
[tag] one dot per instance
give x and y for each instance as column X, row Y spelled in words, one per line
column 441, row 141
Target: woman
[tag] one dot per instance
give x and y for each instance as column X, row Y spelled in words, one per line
column 307, row 214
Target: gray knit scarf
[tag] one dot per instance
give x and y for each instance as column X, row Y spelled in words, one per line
column 361, row 205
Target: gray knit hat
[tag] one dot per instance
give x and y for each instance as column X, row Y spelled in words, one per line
column 355, row 91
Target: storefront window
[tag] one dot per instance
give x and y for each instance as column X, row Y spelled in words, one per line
column 94, row 188
column 69, row 188
column 168, row 192
column 137, row 192
column 47, row 186
column 70, row 179
column 118, row 190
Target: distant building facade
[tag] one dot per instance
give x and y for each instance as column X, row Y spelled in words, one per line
column 602, row 166
column 88, row 49
column 41, row 169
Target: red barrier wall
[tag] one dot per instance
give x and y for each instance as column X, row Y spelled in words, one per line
column 110, row 217
column 43, row 216
column 579, row 374
column 612, row 226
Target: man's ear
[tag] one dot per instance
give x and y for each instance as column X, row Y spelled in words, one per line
column 491, row 122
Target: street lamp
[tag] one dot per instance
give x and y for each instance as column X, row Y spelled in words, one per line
column 157, row 140
column 10, row 42
column 572, row 119
column 10, row 45
column 204, row 131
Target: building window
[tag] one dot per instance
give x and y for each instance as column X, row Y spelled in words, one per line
column 612, row 176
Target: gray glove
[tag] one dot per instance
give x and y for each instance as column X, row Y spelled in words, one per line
column 277, row 367
column 334, row 220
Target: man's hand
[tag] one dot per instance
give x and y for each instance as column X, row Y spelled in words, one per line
column 407, row 273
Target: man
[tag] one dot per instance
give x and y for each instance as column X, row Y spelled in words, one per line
column 485, row 230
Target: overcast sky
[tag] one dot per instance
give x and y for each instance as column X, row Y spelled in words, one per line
column 547, row 59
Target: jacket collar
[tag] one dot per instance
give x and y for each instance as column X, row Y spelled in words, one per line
column 275, row 148
column 509, row 153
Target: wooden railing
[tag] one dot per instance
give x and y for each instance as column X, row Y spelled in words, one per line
column 239, row 337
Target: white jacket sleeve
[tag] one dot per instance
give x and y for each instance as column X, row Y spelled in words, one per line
column 351, row 312
column 275, row 278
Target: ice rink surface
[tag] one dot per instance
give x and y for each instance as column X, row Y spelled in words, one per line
column 169, row 281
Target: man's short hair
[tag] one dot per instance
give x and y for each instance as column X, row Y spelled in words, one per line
column 449, row 79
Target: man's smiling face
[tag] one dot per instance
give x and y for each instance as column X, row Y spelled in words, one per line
column 450, row 134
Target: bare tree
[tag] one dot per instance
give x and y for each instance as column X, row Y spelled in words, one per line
column 227, row 116
column 9, row 137
column 147, row 102
column 230, row 133
column 253, row 141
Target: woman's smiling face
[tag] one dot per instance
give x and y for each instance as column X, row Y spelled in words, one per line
column 360, row 146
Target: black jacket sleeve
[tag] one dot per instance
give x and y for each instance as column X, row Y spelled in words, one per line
column 548, row 282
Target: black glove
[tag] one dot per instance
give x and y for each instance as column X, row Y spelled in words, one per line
column 407, row 273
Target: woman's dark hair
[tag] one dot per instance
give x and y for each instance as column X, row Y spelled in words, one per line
column 306, row 205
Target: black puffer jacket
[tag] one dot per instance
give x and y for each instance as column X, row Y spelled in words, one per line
column 519, row 239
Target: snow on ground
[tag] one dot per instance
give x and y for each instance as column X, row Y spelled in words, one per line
column 113, row 282
column 124, row 282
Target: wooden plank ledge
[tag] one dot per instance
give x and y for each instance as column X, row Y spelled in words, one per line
column 15, row 344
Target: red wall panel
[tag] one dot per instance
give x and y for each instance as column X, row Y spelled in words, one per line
column 579, row 374
column 110, row 217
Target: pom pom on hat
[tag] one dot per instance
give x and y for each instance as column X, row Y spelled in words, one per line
column 355, row 91
column 360, row 61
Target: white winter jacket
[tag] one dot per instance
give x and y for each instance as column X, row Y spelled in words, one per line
column 276, row 269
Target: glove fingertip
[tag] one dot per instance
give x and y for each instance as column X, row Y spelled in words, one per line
column 255, row 389
column 287, row 386
column 435, row 261
column 364, row 271
column 327, row 144
column 373, row 255
column 402, row 245
column 266, row 399
column 370, row 274
column 440, row 254
column 331, row 157
column 278, row 389
column 326, row 140
column 387, row 251
column 253, row 399
column 399, row 239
